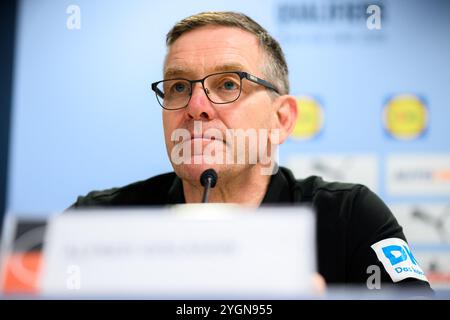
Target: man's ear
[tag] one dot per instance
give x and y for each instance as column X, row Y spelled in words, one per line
column 285, row 115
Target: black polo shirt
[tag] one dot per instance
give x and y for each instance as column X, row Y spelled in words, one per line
column 350, row 219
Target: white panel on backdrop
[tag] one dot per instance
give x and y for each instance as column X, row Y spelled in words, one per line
column 424, row 223
column 418, row 174
column 352, row 168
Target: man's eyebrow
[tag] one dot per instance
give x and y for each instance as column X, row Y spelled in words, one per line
column 228, row 67
column 174, row 72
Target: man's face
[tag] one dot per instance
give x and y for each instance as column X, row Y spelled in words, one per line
column 194, row 55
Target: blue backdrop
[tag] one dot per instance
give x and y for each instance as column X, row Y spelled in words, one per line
column 372, row 79
column 85, row 118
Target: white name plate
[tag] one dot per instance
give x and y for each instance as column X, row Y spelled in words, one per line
column 188, row 251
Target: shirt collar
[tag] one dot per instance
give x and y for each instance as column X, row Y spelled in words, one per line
column 176, row 194
column 278, row 190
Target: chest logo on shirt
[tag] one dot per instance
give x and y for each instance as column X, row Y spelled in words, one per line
column 397, row 259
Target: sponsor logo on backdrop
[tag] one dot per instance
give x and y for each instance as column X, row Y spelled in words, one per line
column 418, row 174
column 310, row 120
column 424, row 223
column 330, row 21
column 354, row 168
column 320, row 12
column 405, row 117
column 397, row 259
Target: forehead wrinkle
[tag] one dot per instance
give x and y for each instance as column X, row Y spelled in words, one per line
column 180, row 71
column 196, row 66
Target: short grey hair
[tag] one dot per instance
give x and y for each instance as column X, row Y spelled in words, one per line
column 274, row 69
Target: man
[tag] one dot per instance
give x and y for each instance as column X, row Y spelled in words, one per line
column 226, row 106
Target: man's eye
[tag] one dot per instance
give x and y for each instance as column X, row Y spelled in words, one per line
column 179, row 87
column 229, row 85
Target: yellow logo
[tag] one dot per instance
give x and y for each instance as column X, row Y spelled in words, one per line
column 405, row 117
column 310, row 118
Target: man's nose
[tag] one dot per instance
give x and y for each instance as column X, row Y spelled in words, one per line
column 199, row 106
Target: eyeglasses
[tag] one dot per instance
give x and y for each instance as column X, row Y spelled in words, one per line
column 220, row 88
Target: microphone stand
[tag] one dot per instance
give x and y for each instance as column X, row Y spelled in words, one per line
column 208, row 179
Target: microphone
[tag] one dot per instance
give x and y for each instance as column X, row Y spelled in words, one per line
column 208, row 179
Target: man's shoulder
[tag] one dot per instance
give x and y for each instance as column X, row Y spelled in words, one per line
column 352, row 221
column 152, row 191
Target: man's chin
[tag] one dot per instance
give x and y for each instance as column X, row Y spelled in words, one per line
column 192, row 172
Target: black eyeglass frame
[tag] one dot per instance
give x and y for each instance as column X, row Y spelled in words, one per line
column 241, row 74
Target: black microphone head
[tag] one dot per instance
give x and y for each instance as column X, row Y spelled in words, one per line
column 211, row 174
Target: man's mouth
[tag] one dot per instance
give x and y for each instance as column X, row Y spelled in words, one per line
column 198, row 144
column 205, row 138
